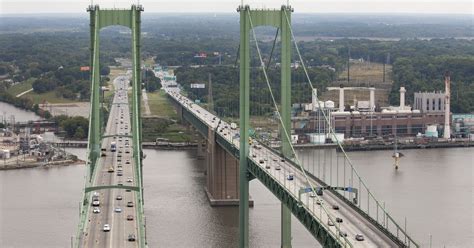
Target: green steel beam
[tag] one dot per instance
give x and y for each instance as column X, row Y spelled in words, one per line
column 136, row 118
column 319, row 231
column 285, row 109
column 244, row 126
column 101, row 187
column 116, row 135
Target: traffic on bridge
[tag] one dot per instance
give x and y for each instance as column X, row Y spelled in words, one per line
column 111, row 216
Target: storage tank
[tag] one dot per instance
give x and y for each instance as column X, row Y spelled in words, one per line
column 329, row 104
column 317, row 138
column 339, row 136
column 6, row 154
column 431, row 131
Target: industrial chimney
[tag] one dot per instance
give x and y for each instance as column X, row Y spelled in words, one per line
column 372, row 99
column 447, row 105
column 402, row 98
column 341, row 99
column 314, row 98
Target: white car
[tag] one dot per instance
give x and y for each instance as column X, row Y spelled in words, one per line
column 106, row 228
column 96, row 210
column 129, row 180
column 118, row 210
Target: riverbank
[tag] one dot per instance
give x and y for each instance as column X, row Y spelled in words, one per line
column 402, row 146
column 34, row 164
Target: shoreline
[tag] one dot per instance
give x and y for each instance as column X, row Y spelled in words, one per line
column 28, row 165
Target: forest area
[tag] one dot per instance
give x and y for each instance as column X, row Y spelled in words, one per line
column 51, row 61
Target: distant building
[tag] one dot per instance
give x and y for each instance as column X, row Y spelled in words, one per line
column 429, row 102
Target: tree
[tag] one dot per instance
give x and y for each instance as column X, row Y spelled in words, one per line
column 80, row 133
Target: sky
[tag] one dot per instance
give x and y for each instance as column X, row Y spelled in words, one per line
column 229, row 6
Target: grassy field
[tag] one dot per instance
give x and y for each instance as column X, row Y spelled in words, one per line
column 49, row 97
column 160, row 105
column 362, row 75
column 367, row 73
column 21, row 87
column 149, row 62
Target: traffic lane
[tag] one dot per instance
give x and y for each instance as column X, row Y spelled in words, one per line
column 356, row 225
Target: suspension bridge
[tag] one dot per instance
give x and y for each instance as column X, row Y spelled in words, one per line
column 321, row 189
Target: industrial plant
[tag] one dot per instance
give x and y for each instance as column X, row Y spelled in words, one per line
column 428, row 119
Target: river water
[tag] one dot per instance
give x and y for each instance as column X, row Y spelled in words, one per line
column 433, row 189
column 6, row 110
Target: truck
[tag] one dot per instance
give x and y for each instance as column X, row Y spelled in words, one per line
column 233, row 126
column 113, row 146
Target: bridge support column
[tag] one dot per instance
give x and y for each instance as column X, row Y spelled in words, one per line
column 222, row 175
column 201, row 152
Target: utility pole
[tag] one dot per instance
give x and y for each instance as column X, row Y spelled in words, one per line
column 210, row 102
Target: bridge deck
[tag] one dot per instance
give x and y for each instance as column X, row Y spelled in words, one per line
column 353, row 221
column 121, row 161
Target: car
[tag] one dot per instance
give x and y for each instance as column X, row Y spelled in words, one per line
column 319, row 192
column 267, row 166
column 342, row 234
column 282, row 160
column 312, row 195
column 275, row 159
column 127, row 162
column 330, row 223
column 96, row 203
column 96, row 210
column 335, row 207
column 277, row 167
column 261, row 161
column 129, row 204
column 102, row 154
column 120, row 184
column 119, row 197
column 131, row 237
column 127, row 151
column 254, row 155
column 319, row 202
column 359, row 237
column 129, row 180
column 111, row 169
column 290, row 177
column 106, row 228
column 119, row 173
column 118, row 210
column 128, row 190
column 339, row 220
column 120, row 168
column 129, row 217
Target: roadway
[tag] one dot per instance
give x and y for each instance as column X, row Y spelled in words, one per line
column 114, row 168
column 352, row 222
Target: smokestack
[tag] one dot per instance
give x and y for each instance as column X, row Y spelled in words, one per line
column 341, row 99
column 314, row 98
column 402, row 98
column 372, row 99
column 447, row 105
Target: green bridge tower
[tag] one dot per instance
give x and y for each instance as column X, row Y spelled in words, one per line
column 281, row 19
column 101, row 18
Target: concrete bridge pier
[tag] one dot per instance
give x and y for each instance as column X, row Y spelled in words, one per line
column 201, row 148
column 222, row 182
